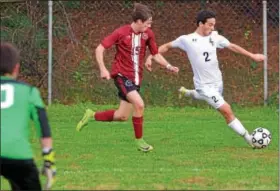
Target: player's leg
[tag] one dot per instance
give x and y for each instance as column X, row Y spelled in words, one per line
column 6, row 171
column 22, row 174
column 234, row 122
column 137, row 120
column 213, row 96
column 13, row 185
column 130, row 92
column 31, row 179
column 183, row 92
column 121, row 114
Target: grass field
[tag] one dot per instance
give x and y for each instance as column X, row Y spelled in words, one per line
column 194, row 149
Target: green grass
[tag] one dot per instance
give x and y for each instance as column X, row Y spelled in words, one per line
column 194, row 149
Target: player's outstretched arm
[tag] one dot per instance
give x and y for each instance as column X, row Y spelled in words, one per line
column 39, row 117
column 165, row 47
column 160, row 59
column 240, row 50
column 99, row 54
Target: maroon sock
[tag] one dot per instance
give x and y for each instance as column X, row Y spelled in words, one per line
column 138, row 126
column 104, row 115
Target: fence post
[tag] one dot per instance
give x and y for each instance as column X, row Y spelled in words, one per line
column 50, row 3
column 279, row 86
column 265, row 51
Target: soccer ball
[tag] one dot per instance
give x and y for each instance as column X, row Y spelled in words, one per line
column 261, row 137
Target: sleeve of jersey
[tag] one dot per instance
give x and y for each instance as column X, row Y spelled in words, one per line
column 110, row 40
column 38, row 114
column 178, row 43
column 222, row 42
column 152, row 43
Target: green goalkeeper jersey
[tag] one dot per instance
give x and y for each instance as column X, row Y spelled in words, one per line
column 20, row 103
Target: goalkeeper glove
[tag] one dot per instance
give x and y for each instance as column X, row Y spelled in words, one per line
column 49, row 169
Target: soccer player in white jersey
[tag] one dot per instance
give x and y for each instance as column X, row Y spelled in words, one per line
column 201, row 47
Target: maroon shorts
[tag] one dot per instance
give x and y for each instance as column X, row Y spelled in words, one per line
column 125, row 86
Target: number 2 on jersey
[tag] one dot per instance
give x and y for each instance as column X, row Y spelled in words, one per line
column 7, row 96
column 206, row 54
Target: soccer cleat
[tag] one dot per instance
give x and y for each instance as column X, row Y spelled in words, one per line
column 143, row 146
column 89, row 113
column 182, row 92
column 248, row 139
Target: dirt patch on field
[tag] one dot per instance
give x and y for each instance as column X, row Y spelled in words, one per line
column 74, row 166
column 268, row 156
column 198, row 180
column 107, row 186
column 159, row 187
column 86, row 156
column 72, row 187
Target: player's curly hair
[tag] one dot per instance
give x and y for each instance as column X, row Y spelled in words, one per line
column 203, row 15
column 141, row 12
column 9, row 57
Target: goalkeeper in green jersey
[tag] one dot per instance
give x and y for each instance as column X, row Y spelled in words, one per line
column 21, row 103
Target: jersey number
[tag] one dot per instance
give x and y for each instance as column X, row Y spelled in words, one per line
column 7, row 96
column 214, row 99
column 206, row 54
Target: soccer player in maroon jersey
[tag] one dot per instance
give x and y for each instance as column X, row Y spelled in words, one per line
column 127, row 71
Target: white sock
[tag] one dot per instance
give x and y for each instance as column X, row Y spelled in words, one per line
column 237, row 126
column 193, row 94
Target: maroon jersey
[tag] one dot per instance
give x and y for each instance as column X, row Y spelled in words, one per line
column 131, row 49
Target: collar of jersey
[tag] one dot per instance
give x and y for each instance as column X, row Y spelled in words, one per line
column 201, row 35
column 131, row 29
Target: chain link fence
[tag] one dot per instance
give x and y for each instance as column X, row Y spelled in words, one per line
column 79, row 26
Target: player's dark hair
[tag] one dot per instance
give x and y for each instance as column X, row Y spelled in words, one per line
column 203, row 15
column 141, row 12
column 9, row 58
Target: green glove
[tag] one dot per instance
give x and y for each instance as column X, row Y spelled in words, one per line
column 49, row 169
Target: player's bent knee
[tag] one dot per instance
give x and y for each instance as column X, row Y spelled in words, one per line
column 226, row 111
column 120, row 116
column 139, row 107
column 123, row 118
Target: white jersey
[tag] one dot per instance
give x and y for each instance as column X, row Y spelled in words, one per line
column 202, row 53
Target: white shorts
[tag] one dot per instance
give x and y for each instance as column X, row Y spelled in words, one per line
column 212, row 94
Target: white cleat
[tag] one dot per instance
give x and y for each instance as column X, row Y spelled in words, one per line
column 182, row 92
column 248, row 139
